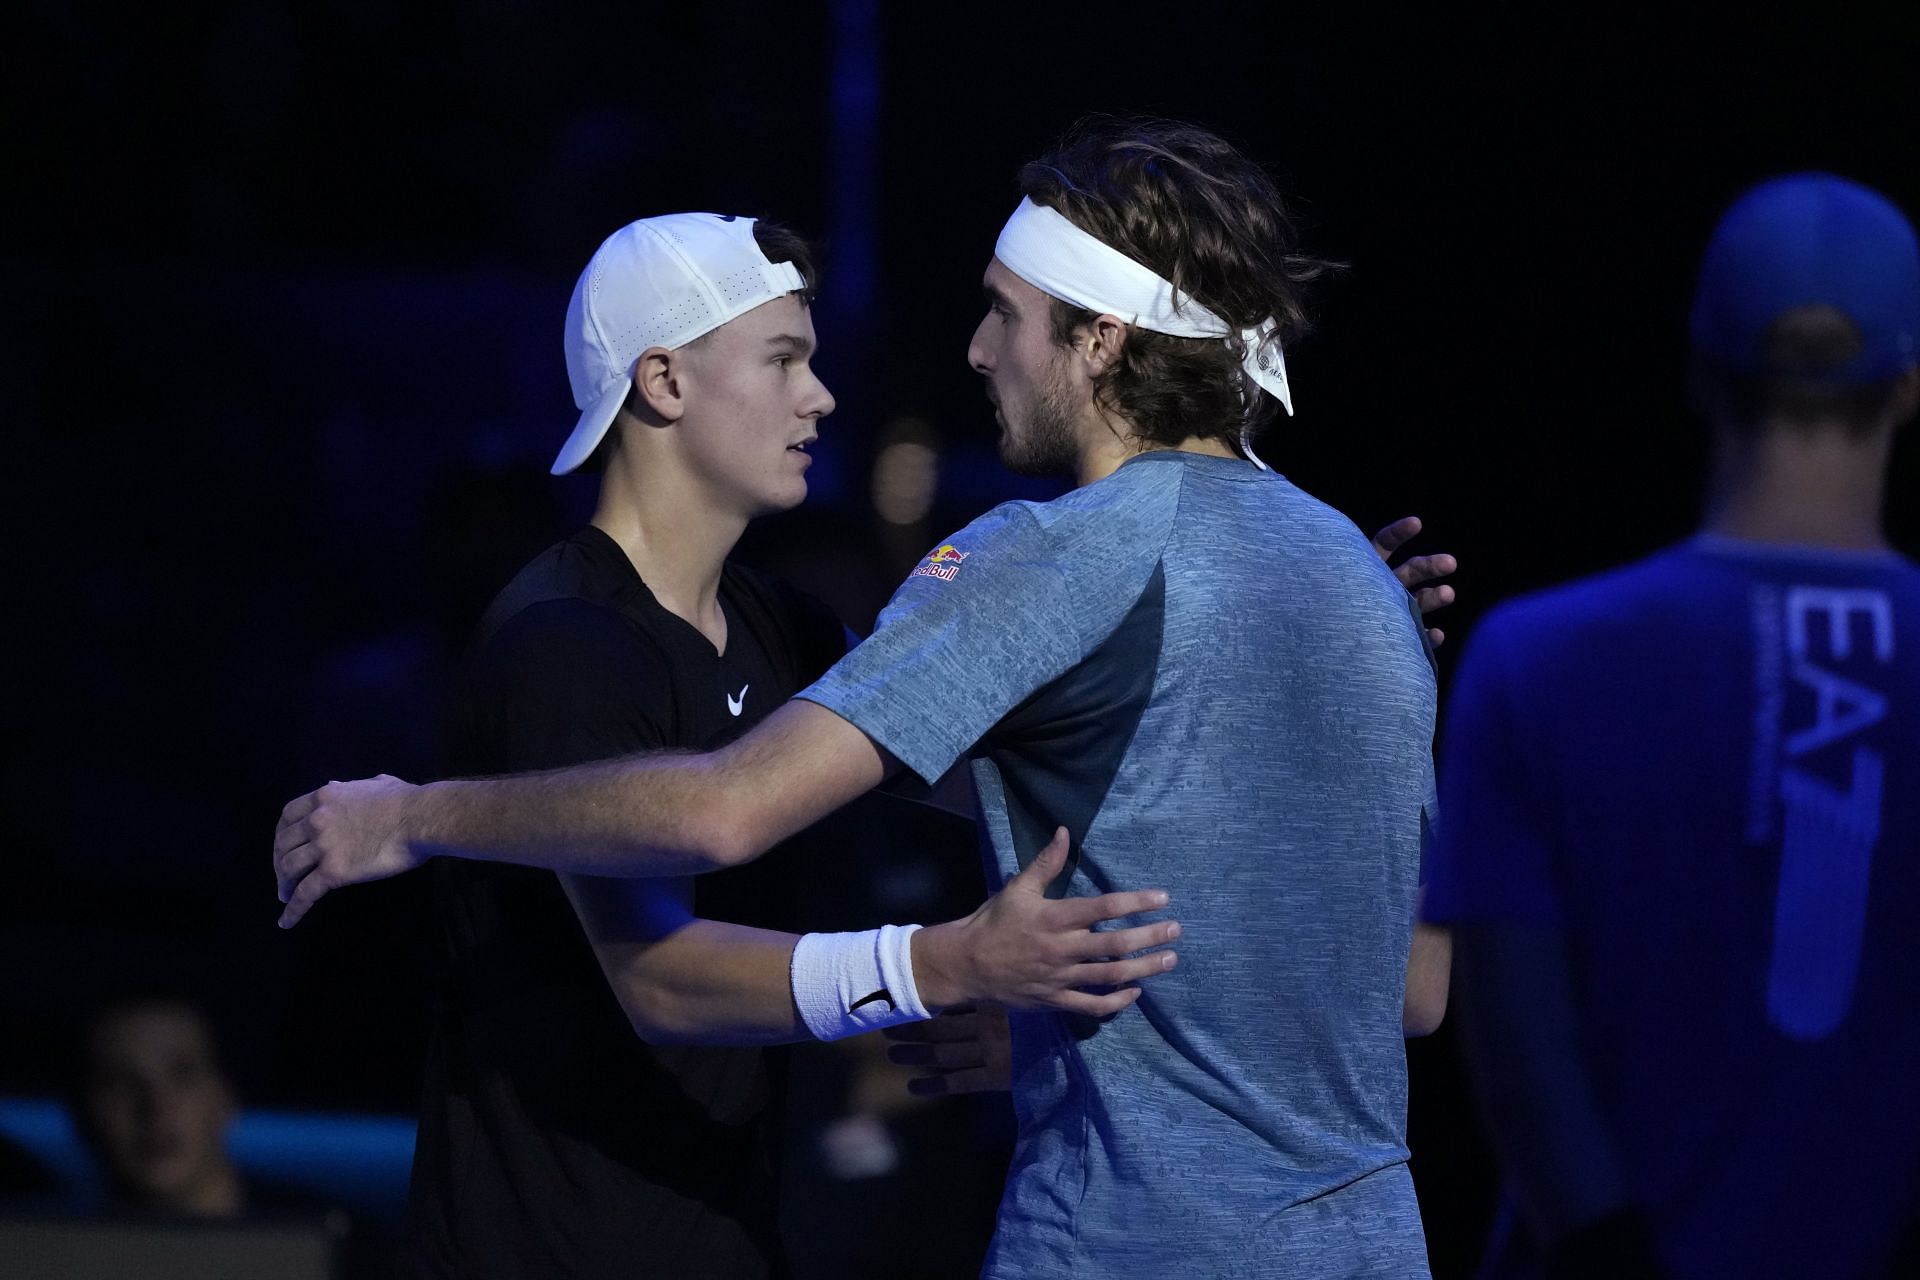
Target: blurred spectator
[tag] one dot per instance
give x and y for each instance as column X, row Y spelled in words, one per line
column 1681, row 806
column 152, row 1100
column 905, row 481
column 154, row 1105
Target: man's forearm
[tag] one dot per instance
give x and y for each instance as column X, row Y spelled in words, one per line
column 645, row 816
column 639, row 816
column 658, row 815
column 683, row 979
column 707, row 983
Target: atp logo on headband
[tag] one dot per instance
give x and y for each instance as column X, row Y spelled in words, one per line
column 942, row 563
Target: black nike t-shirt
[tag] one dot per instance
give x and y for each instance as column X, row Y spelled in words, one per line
column 553, row 1141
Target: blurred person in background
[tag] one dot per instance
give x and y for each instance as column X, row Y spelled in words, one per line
column 1681, row 848
column 153, row 1103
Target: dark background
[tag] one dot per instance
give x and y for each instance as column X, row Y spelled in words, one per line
column 285, row 283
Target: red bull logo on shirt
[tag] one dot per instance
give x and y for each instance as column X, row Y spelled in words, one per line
column 943, row 563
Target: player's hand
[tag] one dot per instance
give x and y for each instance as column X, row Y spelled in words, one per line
column 1027, row 951
column 967, row 1049
column 344, row 833
column 1416, row 572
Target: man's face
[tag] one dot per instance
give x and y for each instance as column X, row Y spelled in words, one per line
column 1028, row 376
column 753, row 407
column 157, row 1104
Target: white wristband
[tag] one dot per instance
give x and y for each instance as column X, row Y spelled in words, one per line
column 847, row 983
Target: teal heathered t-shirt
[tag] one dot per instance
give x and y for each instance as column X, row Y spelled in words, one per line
column 1211, row 680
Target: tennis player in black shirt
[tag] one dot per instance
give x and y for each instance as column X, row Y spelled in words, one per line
column 554, row 1140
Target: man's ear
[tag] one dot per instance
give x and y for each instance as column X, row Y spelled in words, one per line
column 1100, row 343
column 659, row 378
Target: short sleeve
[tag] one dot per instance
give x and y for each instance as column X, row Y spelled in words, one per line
column 1493, row 858
column 986, row 618
column 562, row 682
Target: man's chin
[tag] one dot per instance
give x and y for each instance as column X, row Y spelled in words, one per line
column 786, row 499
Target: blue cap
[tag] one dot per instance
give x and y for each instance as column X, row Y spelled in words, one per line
column 1803, row 240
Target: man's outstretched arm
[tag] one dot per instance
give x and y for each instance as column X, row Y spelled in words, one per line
column 647, row 815
column 685, row 980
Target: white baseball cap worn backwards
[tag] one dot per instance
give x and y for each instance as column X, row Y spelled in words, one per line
column 658, row 282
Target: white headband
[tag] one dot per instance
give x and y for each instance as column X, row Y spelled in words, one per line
column 1056, row 257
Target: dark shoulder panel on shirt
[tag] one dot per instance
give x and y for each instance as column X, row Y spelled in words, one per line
column 561, row 671
column 588, row 566
column 561, row 682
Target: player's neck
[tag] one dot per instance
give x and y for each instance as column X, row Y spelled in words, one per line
column 1106, row 451
column 676, row 543
column 1807, row 489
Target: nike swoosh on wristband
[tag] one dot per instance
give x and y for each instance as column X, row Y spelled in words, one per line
column 739, row 704
column 881, row 994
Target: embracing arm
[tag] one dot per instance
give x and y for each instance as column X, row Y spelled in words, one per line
column 681, row 979
column 1430, row 959
column 649, row 815
column 1429, row 967
column 666, row 814
column 685, row 980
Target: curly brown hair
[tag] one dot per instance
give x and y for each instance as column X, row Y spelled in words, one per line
column 1189, row 205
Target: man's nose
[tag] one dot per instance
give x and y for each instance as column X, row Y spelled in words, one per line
column 978, row 357
column 821, row 403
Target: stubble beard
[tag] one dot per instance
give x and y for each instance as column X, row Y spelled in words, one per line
column 1045, row 445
